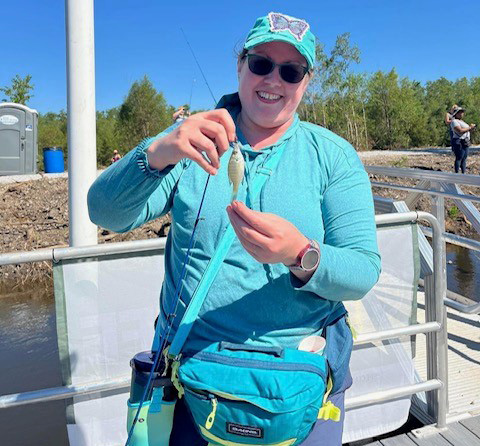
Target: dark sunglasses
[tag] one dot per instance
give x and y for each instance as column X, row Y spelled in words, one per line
column 293, row 73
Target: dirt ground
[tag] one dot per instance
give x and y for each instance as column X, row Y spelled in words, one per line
column 455, row 221
column 34, row 214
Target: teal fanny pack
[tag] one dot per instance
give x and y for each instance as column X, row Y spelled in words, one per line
column 242, row 394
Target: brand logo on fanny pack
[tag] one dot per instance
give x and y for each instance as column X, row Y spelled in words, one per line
column 244, row 431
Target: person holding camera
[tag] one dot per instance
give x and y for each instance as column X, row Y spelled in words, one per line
column 448, row 120
column 460, row 138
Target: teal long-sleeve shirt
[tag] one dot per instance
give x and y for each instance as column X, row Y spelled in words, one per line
column 319, row 185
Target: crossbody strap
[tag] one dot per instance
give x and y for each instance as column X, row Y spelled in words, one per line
column 217, row 259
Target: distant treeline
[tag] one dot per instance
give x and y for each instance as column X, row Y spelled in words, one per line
column 372, row 111
column 382, row 110
column 144, row 112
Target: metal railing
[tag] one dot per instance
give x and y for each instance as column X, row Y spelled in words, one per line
column 56, row 254
column 438, row 185
column 434, row 327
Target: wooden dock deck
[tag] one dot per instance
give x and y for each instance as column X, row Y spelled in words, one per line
column 463, row 382
column 463, row 359
column 462, row 433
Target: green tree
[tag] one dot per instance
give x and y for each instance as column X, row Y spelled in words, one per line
column 330, row 77
column 19, row 91
column 384, row 112
column 413, row 117
column 108, row 137
column 439, row 97
column 143, row 113
column 473, row 113
column 346, row 111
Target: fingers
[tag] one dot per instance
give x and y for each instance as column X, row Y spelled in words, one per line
column 204, row 144
column 217, row 133
column 222, row 116
column 207, row 133
column 251, row 217
column 245, row 232
column 196, row 155
column 252, row 249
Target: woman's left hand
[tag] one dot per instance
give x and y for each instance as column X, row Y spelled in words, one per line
column 268, row 238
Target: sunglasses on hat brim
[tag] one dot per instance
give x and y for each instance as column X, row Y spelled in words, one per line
column 293, row 73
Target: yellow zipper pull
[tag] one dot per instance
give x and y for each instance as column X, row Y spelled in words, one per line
column 175, row 380
column 211, row 417
column 352, row 329
column 329, row 412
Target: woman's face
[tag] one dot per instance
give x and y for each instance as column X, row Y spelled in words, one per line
column 268, row 101
column 459, row 115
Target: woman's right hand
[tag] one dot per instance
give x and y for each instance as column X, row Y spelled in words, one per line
column 210, row 132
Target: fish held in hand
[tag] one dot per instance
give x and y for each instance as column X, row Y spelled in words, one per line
column 236, row 169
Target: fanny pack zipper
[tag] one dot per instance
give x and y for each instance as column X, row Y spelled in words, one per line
column 255, row 363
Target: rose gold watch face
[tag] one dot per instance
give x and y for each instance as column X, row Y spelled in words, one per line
column 310, row 259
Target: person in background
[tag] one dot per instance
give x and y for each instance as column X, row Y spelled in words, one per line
column 448, row 120
column 460, row 138
column 180, row 115
column 303, row 245
column 116, row 156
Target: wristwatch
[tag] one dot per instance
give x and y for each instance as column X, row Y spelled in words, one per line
column 308, row 258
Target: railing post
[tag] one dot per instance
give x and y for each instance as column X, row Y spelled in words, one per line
column 437, row 349
column 431, row 344
column 438, row 311
column 438, row 206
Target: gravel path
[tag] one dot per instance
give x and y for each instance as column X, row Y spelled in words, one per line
column 412, row 152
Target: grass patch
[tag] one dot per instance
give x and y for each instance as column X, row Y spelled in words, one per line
column 401, row 162
column 453, row 212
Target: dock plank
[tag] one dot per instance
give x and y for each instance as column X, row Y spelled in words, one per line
column 463, row 433
column 459, row 435
column 401, row 440
column 434, row 440
column 472, row 424
column 463, row 359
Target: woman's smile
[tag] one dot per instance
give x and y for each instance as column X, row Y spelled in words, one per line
column 269, row 98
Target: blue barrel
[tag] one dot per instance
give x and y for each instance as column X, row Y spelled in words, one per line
column 53, row 160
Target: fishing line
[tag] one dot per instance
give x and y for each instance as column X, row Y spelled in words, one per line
column 170, row 319
column 198, row 64
column 171, row 315
column 191, row 92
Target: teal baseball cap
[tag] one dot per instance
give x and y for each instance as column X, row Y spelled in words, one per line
column 277, row 27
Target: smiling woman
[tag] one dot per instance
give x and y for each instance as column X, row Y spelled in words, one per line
column 305, row 241
column 268, row 95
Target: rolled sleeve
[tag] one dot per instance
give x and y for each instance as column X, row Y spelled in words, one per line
column 130, row 192
column 350, row 263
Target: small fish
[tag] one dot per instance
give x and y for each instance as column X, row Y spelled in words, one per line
column 236, row 169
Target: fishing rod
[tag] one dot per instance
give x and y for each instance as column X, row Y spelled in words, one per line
column 172, row 314
column 198, row 65
column 170, row 319
column 191, row 92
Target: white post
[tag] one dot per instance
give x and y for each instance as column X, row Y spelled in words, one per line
column 82, row 149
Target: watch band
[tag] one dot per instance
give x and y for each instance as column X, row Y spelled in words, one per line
column 312, row 247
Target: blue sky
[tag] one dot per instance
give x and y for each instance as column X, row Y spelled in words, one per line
column 137, row 37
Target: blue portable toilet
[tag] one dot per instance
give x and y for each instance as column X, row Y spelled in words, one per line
column 53, row 160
